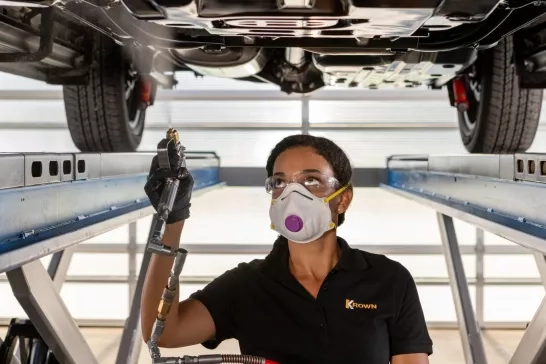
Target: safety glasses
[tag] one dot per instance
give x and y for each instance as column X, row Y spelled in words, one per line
column 317, row 183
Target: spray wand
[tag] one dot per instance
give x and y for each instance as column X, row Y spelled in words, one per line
column 170, row 154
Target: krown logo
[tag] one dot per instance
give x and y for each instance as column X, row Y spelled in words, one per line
column 351, row 305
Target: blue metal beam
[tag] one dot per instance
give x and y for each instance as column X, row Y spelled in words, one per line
column 41, row 214
column 505, row 195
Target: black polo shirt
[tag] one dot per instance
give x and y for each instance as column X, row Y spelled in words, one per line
column 367, row 310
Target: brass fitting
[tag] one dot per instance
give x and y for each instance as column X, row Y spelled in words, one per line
column 172, row 134
column 163, row 310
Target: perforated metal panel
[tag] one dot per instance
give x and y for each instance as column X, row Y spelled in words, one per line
column 41, row 169
column 87, row 166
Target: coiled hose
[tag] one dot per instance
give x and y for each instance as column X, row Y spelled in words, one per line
column 244, row 359
column 214, row 359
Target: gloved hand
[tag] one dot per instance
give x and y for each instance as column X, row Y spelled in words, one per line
column 156, row 183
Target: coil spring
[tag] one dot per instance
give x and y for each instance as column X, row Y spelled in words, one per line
column 242, row 359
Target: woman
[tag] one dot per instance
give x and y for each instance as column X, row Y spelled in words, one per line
column 313, row 299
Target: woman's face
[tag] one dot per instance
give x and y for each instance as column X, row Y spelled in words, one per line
column 304, row 165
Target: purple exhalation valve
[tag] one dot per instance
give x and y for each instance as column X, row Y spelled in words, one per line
column 293, row 223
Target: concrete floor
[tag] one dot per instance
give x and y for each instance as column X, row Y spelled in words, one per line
column 499, row 344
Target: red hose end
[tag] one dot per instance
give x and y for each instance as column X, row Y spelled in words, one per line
column 459, row 93
column 267, row 361
column 146, row 91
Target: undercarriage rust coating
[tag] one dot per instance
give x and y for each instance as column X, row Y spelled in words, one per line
column 308, row 18
column 303, row 45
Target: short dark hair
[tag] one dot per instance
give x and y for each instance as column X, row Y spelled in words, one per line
column 326, row 148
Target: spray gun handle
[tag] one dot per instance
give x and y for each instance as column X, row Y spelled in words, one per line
column 170, row 155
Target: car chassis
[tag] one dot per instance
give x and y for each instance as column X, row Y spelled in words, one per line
column 299, row 45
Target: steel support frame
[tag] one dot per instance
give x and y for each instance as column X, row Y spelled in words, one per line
column 532, row 347
column 40, row 298
column 480, row 279
column 473, row 348
column 540, row 259
column 58, row 267
column 57, row 271
column 132, row 249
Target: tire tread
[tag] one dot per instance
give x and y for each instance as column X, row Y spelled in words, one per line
column 95, row 112
column 511, row 114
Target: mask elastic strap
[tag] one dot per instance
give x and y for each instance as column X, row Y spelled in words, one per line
column 335, row 194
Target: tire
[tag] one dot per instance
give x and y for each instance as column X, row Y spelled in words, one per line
column 501, row 117
column 100, row 116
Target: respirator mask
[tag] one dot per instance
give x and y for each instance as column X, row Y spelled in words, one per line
column 300, row 208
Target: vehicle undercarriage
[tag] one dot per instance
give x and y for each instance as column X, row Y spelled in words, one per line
column 489, row 54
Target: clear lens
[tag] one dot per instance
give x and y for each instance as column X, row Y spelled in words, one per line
column 317, row 183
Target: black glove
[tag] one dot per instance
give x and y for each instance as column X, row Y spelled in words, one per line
column 156, row 183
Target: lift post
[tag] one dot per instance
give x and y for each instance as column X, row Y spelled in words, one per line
column 473, row 349
column 502, row 194
column 50, row 202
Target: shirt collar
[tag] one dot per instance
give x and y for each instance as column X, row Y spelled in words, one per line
column 277, row 260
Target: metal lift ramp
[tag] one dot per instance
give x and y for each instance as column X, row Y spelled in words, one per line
column 49, row 203
column 502, row 194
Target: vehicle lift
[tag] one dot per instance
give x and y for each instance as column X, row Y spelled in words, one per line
column 501, row 194
column 51, row 202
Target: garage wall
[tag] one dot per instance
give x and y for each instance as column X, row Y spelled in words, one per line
column 376, row 217
column 367, row 147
